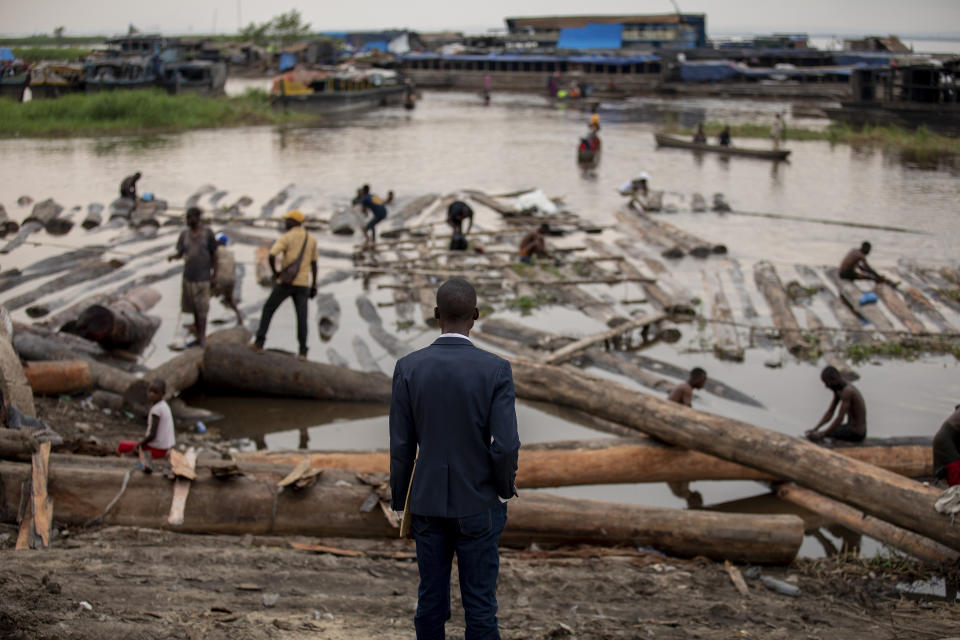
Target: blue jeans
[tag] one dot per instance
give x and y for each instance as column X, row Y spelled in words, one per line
column 379, row 215
column 474, row 539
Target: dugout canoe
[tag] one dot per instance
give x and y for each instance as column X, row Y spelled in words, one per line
column 664, row 140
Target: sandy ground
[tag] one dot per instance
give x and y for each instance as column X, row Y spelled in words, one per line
column 139, row 583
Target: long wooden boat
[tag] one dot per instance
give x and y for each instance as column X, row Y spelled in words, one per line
column 664, row 140
column 54, row 79
column 335, row 91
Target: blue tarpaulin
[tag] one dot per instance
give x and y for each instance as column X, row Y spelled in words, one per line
column 6, row 55
column 592, row 36
column 376, row 45
column 287, row 61
column 867, row 59
column 708, row 71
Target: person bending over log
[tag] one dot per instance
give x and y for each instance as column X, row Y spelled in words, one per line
column 370, row 203
column 946, row 450
column 128, row 187
column 226, row 279
column 850, row 423
column 457, row 212
column 160, row 437
column 197, row 246
column 299, row 250
column 854, row 266
column 455, row 403
column 534, row 244
column 683, row 392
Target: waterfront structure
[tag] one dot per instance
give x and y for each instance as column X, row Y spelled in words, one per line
column 673, row 31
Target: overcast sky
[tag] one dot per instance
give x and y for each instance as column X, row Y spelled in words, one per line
column 84, row 17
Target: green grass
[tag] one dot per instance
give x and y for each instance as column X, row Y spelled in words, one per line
column 919, row 142
column 36, row 54
column 901, row 350
column 136, row 112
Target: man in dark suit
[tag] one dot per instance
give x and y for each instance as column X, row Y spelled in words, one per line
column 456, row 403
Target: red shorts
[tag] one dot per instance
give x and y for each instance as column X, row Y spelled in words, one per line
column 127, row 446
column 953, row 473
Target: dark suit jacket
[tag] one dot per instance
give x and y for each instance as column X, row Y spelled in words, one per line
column 456, row 402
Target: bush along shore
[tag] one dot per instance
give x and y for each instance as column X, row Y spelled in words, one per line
column 919, row 142
column 136, row 112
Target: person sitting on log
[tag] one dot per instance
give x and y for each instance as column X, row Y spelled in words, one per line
column 850, row 423
column 946, row 450
column 534, row 244
column 700, row 136
column 299, row 250
column 226, row 275
column 854, row 266
column 724, row 138
column 683, row 392
column 160, row 436
column 128, row 187
column 197, row 246
column 370, row 203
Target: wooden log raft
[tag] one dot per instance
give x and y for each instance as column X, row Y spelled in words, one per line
column 182, row 371
column 331, row 506
column 885, row 495
column 920, row 304
column 237, row 367
column 86, row 270
column 769, row 284
column 726, row 343
column 621, row 461
column 692, row 244
column 58, row 376
column 899, row 308
column 851, row 294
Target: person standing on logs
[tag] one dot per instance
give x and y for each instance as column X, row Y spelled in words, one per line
column 299, row 250
column 850, row 424
column 946, row 450
column 683, row 394
column 455, row 403
column 534, row 245
column 854, row 266
column 777, row 130
column 374, row 205
column 226, row 280
column 197, row 246
column 128, row 187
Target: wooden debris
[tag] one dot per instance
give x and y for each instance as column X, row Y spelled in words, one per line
column 320, row 548
column 565, row 353
column 302, row 476
column 183, row 466
column 736, row 578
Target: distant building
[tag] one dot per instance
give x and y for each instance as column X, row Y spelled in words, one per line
column 877, row 43
column 675, row 31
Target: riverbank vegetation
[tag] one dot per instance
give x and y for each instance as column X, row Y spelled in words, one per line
column 919, row 142
column 120, row 112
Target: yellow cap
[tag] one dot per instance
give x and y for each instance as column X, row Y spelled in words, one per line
column 295, row 214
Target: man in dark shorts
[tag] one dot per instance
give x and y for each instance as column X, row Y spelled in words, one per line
column 457, row 212
column 197, row 246
column 946, row 450
column 854, row 266
column 850, row 423
column 374, row 205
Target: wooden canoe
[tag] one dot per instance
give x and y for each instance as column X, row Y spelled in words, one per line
column 664, row 140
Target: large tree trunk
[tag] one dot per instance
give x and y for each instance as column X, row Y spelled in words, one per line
column 726, row 343
column 620, row 460
column 237, row 367
column 82, row 488
column 43, row 212
column 877, row 492
column 769, row 284
column 898, row 307
column 58, row 377
column 182, row 371
column 121, row 324
column 94, row 216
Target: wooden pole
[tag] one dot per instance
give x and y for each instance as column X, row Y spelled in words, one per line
column 891, row 535
column 769, row 284
column 565, row 353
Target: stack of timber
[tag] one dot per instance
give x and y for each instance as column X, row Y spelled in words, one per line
column 695, row 246
column 671, row 304
column 332, row 504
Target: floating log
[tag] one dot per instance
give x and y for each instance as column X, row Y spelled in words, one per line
column 891, row 535
column 62, row 224
column 145, row 214
column 830, row 345
column 660, row 298
column 765, row 275
column 740, row 284
column 911, row 273
column 249, row 503
column 56, row 377
column 851, row 294
column 43, row 212
column 239, row 368
column 345, row 222
column 651, row 234
column 6, row 224
column 64, row 320
column 267, row 210
column 898, row 307
column 492, row 203
column 877, row 492
column 25, row 230
column 81, row 272
column 621, row 461
column 183, row 371
column 680, row 300
column 201, row 191
column 328, row 315
column 367, row 362
column 394, row 346
column 726, row 343
column 94, row 216
column 692, row 244
column 120, row 210
column 847, row 318
column 919, row 303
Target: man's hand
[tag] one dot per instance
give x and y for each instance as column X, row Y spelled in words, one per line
column 173, row 257
column 313, row 291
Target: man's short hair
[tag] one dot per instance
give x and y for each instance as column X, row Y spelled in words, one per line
column 698, row 372
column 195, row 212
column 831, row 374
column 456, row 299
column 159, row 384
column 544, row 228
column 365, row 188
column 865, row 247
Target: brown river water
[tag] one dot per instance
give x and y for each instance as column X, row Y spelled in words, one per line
column 449, row 142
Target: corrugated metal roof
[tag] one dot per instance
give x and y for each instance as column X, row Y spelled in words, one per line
column 508, row 57
column 592, row 36
column 566, row 22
